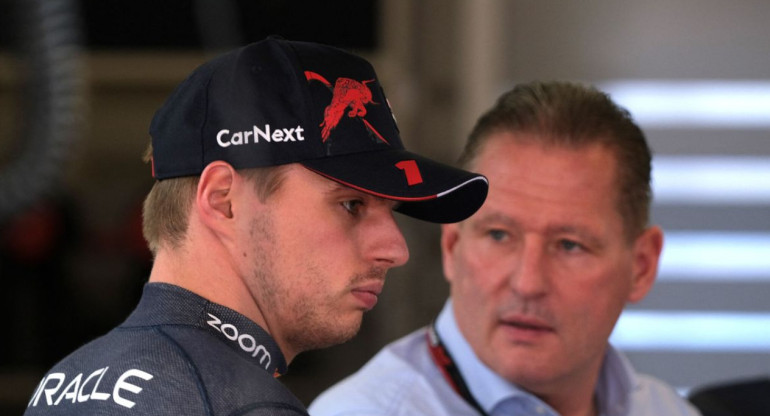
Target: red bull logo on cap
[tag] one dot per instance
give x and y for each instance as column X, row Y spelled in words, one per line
column 348, row 95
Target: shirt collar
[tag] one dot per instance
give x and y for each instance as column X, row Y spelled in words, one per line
column 617, row 382
column 166, row 304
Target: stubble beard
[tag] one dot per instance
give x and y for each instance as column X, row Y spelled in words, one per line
column 307, row 323
column 319, row 326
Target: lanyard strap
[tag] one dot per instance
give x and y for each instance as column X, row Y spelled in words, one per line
column 444, row 362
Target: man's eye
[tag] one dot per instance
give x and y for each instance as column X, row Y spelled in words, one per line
column 497, row 235
column 569, row 245
column 352, row 206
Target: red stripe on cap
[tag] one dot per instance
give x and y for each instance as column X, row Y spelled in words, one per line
column 395, row 198
column 310, row 75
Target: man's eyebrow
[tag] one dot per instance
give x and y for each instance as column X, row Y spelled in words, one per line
column 582, row 232
column 336, row 187
column 508, row 221
column 491, row 219
column 333, row 187
column 498, row 217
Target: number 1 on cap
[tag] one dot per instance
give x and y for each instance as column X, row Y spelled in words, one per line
column 412, row 172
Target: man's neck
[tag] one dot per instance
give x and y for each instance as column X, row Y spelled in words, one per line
column 203, row 275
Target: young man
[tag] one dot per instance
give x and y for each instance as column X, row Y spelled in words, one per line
column 278, row 166
column 539, row 275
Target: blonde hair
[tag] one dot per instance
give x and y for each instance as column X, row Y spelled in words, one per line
column 167, row 206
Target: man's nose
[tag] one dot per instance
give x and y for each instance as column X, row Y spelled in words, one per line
column 389, row 246
column 528, row 277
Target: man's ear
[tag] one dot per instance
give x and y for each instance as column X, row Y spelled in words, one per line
column 646, row 251
column 449, row 237
column 214, row 198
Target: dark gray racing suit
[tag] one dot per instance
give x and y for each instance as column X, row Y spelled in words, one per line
column 176, row 354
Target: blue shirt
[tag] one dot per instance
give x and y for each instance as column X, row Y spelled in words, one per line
column 402, row 379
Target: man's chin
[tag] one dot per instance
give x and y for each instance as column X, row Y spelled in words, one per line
column 344, row 334
column 318, row 338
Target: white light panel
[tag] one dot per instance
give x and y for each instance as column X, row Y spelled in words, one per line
column 687, row 104
column 692, row 331
column 711, row 180
column 728, row 256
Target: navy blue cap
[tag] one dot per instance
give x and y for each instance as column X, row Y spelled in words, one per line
column 277, row 101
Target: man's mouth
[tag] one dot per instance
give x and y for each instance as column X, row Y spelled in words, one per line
column 525, row 328
column 368, row 294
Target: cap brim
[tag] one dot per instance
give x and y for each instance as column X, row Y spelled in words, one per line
column 439, row 193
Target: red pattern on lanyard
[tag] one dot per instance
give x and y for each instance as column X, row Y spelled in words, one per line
column 446, row 364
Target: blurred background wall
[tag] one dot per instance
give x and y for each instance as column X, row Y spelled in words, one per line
column 88, row 75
